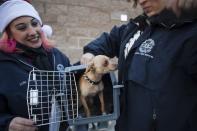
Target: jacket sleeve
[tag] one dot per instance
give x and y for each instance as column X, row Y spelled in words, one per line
column 189, row 57
column 192, row 59
column 5, row 117
column 108, row 43
column 10, row 77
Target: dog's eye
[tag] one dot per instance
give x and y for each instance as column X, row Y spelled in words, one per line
column 105, row 63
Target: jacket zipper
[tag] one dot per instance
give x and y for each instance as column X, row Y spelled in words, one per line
column 154, row 114
column 53, row 62
column 27, row 64
column 154, row 121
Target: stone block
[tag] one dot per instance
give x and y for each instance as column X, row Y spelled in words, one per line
column 84, row 41
column 56, row 9
column 84, row 32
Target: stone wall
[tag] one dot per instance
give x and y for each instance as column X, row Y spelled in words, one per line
column 77, row 22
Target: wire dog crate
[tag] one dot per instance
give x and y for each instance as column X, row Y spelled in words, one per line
column 52, row 97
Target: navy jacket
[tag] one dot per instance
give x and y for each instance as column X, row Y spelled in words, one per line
column 13, row 86
column 159, row 74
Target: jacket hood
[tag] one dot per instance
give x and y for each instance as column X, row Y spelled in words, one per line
column 191, row 12
column 168, row 19
column 165, row 18
column 5, row 57
column 14, row 59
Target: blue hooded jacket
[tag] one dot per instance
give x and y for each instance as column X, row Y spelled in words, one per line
column 13, row 86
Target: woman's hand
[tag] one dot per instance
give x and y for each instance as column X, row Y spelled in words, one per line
column 22, row 124
column 86, row 58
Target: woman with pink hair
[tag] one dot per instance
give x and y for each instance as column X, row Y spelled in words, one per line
column 23, row 47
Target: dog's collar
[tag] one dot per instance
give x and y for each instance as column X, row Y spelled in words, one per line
column 91, row 81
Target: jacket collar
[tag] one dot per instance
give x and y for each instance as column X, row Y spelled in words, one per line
column 13, row 58
column 166, row 19
column 169, row 20
column 5, row 56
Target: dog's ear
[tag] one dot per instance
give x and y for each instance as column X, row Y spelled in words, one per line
column 90, row 67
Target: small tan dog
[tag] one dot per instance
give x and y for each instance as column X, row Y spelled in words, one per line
column 91, row 83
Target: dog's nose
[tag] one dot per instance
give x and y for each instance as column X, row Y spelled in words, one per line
column 113, row 64
column 114, row 61
column 116, row 64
